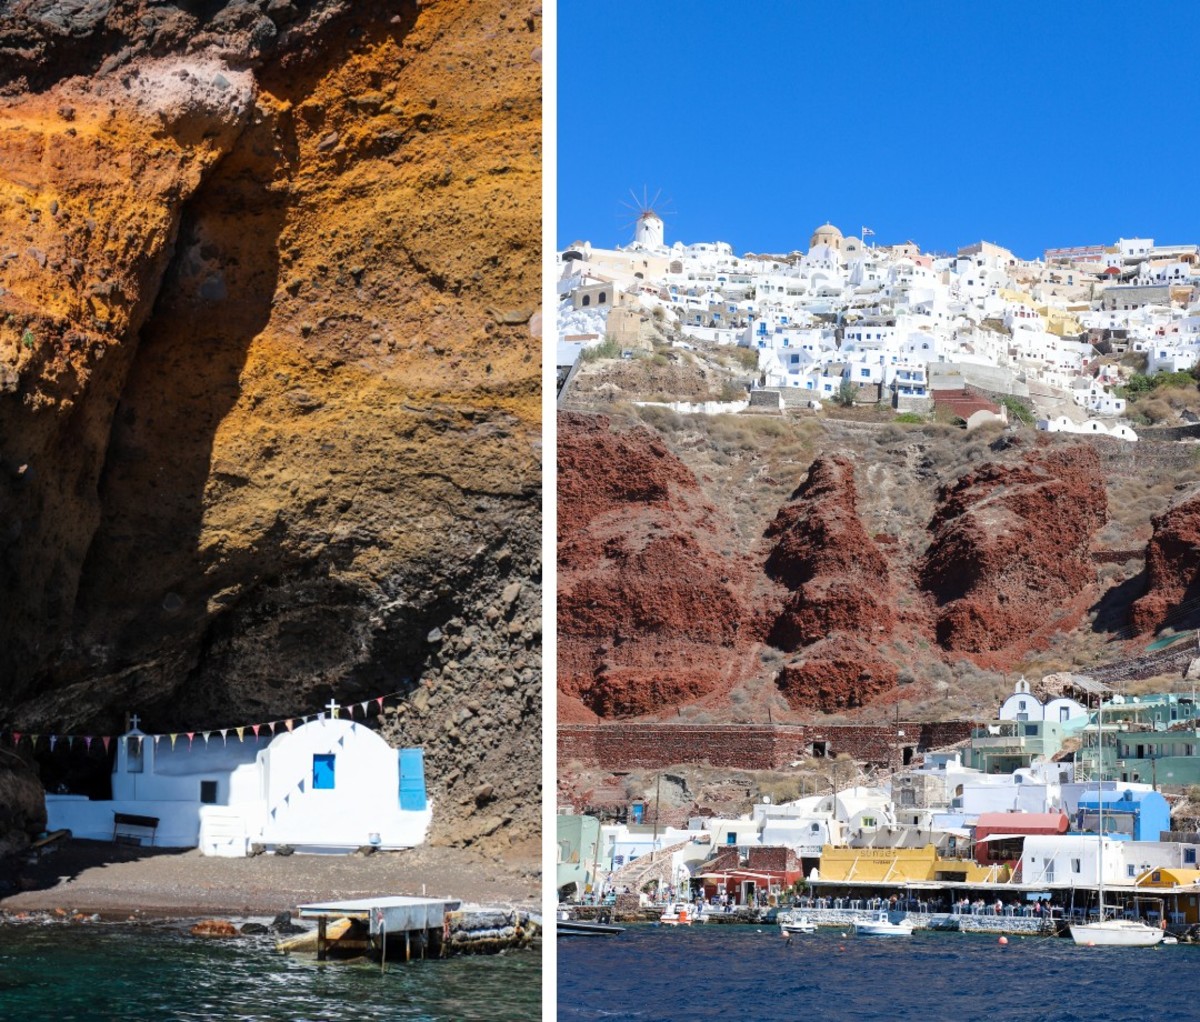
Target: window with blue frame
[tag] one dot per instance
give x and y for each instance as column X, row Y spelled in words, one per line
column 323, row 770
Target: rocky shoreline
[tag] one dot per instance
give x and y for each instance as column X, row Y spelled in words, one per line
column 115, row 882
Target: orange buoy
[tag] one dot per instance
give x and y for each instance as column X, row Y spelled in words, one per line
column 1003, row 940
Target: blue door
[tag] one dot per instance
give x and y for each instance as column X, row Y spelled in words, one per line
column 412, row 779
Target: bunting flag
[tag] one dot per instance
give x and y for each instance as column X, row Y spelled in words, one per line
column 272, row 728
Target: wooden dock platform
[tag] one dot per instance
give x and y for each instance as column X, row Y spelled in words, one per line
column 419, row 923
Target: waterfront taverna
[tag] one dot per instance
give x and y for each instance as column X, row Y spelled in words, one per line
column 327, row 785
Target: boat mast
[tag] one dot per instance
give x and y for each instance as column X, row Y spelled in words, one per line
column 1100, row 797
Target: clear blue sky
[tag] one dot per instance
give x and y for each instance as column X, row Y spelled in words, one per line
column 1027, row 124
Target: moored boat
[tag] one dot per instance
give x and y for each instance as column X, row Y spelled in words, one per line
column 882, row 926
column 796, row 922
column 678, row 914
column 1110, row 932
column 1116, row 933
column 567, row 925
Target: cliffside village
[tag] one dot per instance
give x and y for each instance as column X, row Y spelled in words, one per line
column 1008, row 822
column 891, row 324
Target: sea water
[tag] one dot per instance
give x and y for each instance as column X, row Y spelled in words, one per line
column 651, row 973
column 109, row 971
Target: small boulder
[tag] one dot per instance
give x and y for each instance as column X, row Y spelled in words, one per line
column 214, row 928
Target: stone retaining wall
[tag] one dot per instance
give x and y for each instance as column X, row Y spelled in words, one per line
column 749, row 746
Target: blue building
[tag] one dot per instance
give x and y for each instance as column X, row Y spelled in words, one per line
column 1137, row 815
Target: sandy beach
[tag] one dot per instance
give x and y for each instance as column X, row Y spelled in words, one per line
column 119, row 881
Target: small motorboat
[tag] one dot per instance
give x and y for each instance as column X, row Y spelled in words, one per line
column 882, row 926
column 678, row 914
column 796, row 922
column 566, row 925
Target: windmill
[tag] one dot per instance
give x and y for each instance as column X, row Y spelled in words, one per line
column 646, row 219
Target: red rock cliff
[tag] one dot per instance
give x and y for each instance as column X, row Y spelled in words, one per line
column 1172, row 566
column 651, row 613
column 1009, row 547
column 836, row 575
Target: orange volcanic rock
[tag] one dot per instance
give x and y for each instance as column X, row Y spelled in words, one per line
column 1010, row 547
column 214, row 928
column 1172, row 566
column 837, row 576
column 650, row 612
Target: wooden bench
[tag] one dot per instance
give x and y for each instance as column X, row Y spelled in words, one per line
column 130, row 827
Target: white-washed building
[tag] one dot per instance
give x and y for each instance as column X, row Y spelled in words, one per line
column 328, row 785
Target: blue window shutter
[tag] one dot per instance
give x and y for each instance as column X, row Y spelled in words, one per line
column 323, row 771
column 412, row 779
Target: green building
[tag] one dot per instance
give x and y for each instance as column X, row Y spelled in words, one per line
column 578, row 847
column 1006, row 745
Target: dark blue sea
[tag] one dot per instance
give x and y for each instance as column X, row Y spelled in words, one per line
column 660, row 974
column 109, row 971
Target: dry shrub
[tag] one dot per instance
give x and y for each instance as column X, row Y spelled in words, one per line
column 1157, row 410
column 665, row 420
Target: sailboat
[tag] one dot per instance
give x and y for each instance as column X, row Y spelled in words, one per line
column 1110, row 932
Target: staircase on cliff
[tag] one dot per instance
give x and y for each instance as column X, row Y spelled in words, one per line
column 647, row 868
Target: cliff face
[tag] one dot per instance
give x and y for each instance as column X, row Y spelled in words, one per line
column 651, row 612
column 666, row 605
column 841, row 599
column 1011, row 547
column 1172, row 567
column 836, row 576
column 269, row 374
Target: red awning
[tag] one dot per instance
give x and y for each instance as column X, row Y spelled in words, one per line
column 1019, row 824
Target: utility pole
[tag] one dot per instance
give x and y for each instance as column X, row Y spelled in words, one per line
column 657, row 797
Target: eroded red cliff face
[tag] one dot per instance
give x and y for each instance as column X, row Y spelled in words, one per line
column 1172, row 566
column 663, row 604
column 834, row 572
column 1009, row 547
column 840, row 593
column 651, row 612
